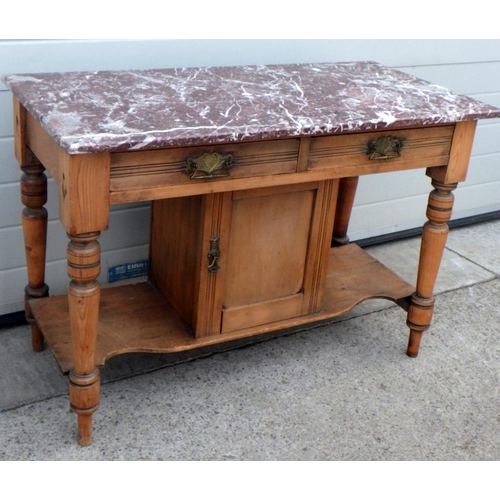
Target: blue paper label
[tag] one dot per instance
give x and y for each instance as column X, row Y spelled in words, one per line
column 126, row 271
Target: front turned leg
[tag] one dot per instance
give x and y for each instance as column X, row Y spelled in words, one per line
column 345, row 202
column 34, row 217
column 434, row 237
column 83, row 297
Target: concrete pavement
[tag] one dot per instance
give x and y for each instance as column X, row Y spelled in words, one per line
column 341, row 391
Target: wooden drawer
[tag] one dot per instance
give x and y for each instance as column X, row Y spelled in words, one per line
column 418, row 148
column 148, row 169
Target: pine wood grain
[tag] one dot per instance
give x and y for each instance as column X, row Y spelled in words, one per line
column 461, row 148
column 34, row 222
column 44, row 147
column 24, row 155
column 185, row 188
column 84, row 192
column 216, row 213
column 269, row 242
column 347, row 192
column 143, row 169
column 273, row 251
column 434, row 235
column 175, row 252
column 319, row 245
column 425, row 146
column 268, row 245
column 83, row 255
column 135, row 318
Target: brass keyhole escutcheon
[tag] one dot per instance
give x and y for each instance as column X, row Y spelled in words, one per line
column 213, row 256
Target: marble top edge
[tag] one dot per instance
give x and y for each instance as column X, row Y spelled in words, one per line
column 90, row 112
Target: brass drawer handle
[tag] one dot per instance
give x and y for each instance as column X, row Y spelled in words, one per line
column 385, row 147
column 209, row 166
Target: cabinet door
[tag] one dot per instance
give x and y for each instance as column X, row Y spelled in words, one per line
column 272, row 254
column 182, row 230
column 277, row 253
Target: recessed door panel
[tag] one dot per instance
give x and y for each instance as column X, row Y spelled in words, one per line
column 271, row 255
column 268, row 247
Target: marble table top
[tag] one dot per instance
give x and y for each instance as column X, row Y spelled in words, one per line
column 91, row 112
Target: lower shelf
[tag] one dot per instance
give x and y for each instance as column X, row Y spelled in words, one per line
column 135, row 318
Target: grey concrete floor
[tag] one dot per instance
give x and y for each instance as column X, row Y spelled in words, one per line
column 340, row 391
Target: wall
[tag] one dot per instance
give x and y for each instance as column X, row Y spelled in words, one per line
column 466, row 66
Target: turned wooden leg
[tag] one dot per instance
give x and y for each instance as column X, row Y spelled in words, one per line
column 83, row 296
column 345, row 201
column 34, row 217
column 434, row 237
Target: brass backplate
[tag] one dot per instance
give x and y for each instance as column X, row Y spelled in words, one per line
column 385, row 147
column 209, row 166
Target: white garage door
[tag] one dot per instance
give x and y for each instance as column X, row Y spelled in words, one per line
column 470, row 67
